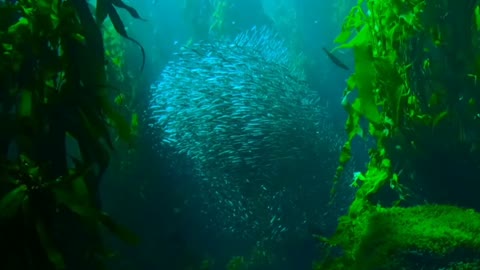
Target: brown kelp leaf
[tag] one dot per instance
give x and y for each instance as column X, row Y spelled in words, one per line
column 132, row 11
column 101, row 10
column 120, row 231
column 120, row 28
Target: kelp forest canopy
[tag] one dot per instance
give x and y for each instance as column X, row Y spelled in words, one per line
column 57, row 117
column 415, row 86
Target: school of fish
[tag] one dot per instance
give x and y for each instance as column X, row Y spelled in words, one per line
column 242, row 113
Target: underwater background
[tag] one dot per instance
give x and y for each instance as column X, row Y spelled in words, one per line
column 239, row 134
column 181, row 222
column 192, row 202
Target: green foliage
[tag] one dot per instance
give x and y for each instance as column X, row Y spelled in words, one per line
column 123, row 84
column 380, row 74
column 217, row 24
column 380, row 33
column 370, row 240
column 53, row 82
column 106, row 8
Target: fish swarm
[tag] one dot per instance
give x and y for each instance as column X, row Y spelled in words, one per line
column 239, row 106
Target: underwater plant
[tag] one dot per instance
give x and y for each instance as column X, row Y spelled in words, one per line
column 406, row 95
column 58, row 123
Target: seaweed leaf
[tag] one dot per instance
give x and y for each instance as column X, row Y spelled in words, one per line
column 74, row 202
column 80, row 190
column 25, row 104
column 120, row 28
column 439, row 118
column 74, row 193
column 343, row 37
column 120, row 231
column 12, row 201
column 54, row 256
column 77, row 203
column 132, row 11
column 96, row 130
column 101, row 10
column 121, row 125
column 364, row 77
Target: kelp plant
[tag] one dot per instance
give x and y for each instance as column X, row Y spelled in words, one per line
column 217, row 20
column 55, row 143
column 389, row 39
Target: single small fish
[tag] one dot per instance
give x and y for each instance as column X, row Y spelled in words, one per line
column 335, row 60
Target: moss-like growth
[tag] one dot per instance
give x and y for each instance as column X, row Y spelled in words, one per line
column 372, row 239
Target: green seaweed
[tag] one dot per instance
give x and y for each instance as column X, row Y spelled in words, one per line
column 54, row 87
column 381, row 34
